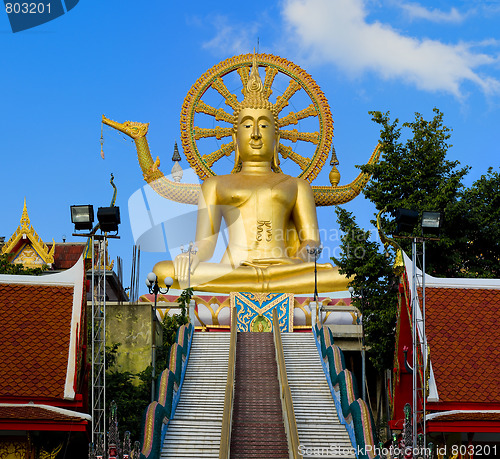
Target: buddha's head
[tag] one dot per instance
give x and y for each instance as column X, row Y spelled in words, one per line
column 255, row 130
column 256, row 137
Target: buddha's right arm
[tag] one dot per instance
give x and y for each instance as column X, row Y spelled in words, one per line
column 207, row 229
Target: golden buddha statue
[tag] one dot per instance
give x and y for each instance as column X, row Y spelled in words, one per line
column 270, row 216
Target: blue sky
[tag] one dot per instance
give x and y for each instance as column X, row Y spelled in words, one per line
column 137, row 60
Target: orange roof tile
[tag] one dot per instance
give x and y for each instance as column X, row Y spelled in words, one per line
column 468, row 416
column 67, row 254
column 38, row 413
column 35, row 323
column 463, row 333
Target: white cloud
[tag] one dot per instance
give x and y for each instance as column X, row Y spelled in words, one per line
column 416, row 11
column 338, row 32
column 231, row 39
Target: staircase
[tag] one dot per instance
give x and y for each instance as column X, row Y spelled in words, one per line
column 320, row 431
column 257, row 430
column 195, row 429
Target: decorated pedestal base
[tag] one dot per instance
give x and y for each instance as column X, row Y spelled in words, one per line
column 213, row 310
column 255, row 311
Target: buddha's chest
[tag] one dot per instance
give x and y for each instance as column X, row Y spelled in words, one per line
column 258, row 195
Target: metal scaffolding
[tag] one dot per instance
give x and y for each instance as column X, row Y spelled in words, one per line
column 99, row 345
column 419, row 347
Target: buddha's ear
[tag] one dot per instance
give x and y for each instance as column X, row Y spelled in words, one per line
column 235, row 143
column 237, row 166
column 276, row 158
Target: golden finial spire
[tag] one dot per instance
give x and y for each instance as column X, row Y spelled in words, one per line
column 25, row 220
column 334, row 175
column 334, row 161
column 26, row 231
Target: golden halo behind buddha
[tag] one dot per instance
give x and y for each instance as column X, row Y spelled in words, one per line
column 256, row 95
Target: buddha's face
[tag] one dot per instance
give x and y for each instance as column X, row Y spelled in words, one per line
column 256, row 136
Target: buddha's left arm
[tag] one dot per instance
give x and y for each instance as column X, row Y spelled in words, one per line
column 305, row 219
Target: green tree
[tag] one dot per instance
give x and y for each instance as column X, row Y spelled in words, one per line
column 415, row 174
column 132, row 395
column 184, row 299
column 479, row 210
column 170, row 326
column 132, row 392
column 373, row 281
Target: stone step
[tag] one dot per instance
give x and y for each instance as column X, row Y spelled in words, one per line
column 196, row 426
column 318, row 425
column 257, row 430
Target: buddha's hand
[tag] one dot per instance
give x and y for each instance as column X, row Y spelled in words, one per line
column 181, row 265
column 131, row 128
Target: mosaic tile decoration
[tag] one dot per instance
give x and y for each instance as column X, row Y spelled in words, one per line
column 255, row 311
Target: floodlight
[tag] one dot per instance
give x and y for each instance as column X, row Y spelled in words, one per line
column 431, row 221
column 109, row 218
column 406, row 220
column 82, row 217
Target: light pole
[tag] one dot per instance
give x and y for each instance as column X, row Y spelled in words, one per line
column 363, row 357
column 82, row 216
column 152, row 284
column 430, row 222
column 315, row 252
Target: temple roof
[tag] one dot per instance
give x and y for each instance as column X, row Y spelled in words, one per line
column 463, row 335
column 26, row 246
column 41, row 334
column 67, row 254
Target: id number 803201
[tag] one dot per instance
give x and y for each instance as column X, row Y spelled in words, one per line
column 27, row 8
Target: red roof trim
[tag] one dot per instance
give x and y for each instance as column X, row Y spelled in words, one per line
column 77, row 403
column 72, row 426
column 450, row 406
column 453, row 426
column 463, row 426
